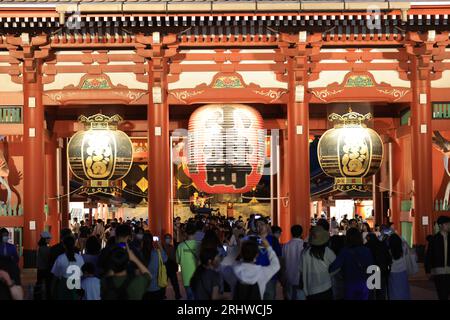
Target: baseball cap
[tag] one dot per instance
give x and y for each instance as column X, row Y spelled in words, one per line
column 443, row 219
column 46, row 235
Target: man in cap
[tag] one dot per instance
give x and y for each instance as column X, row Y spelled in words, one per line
column 7, row 249
column 437, row 260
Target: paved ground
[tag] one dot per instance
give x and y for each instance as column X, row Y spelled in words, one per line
column 421, row 287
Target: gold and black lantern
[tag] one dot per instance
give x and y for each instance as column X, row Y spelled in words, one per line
column 100, row 155
column 350, row 151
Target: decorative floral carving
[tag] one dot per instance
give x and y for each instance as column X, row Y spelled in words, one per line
column 228, row 82
column 324, row 94
column 273, row 94
column 396, row 93
column 183, row 95
column 100, row 82
column 135, row 95
column 359, row 81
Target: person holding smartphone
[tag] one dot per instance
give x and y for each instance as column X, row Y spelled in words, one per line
column 152, row 252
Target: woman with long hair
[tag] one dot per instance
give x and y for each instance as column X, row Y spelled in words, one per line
column 154, row 258
column 398, row 285
column 353, row 260
column 62, row 272
column 43, row 283
column 315, row 261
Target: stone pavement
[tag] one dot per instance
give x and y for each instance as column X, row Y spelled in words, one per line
column 421, row 287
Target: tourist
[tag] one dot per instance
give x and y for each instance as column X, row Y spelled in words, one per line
column 61, row 271
column 315, row 261
column 398, row 277
column 251, row 224
column 250, row 278
column 354, row 260
column 187, row 258
column 7, row 249
column 154, row 257
column 199, row 234
column 336, row 244
column 75, row 226
column 382, row 258
column 334, row 226
column 120, row 284
column 43, row 278
column 91, row 255
column 111, row 230
column 177, row 232
column 206, row 282
column 99, row 231
column 10, row 285
column 365, row 231
column 171, row 265
column 122, row 238
column 90, row 284
column 314, row 220
column 83, row 236
column 437, row 261
column 291, row 254
column 324, row 224
column 263, row 232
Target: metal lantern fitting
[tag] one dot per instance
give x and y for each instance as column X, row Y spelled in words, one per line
column 350, row 151
column 226, row 148
column 100, row 155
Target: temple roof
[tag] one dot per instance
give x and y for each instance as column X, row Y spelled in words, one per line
column 207, row 5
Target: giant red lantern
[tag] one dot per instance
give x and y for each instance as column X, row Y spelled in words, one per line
column 226, row 148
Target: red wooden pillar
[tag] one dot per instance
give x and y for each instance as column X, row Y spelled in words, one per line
column 34, row 160
column 421, row 148
column 377, row 198
column 284, row 220
column 159, row 178
column 53, row 218
column 298, row 148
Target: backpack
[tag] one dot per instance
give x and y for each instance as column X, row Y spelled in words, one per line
column 244, row 291
column 111, row 292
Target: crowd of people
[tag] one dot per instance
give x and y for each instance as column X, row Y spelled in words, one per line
column 226, row 258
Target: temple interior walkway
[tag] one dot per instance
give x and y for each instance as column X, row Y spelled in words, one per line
column 421, row 287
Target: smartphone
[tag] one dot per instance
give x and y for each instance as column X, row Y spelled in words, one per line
column 155, row 238
column 257, row 216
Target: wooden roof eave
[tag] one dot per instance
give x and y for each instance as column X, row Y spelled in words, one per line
column 229, row 6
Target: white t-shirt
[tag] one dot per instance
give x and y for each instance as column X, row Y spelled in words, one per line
column 316, row 278
column 91, row 287
column 59, row 269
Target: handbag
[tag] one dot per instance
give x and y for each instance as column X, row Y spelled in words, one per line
column 411, row 262
column 162, row 272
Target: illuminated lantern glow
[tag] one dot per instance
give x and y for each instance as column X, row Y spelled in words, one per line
column 226, row 148
column 100, row 155
column 350, row 151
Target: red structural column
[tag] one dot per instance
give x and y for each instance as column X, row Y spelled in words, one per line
column 34, row 161
column 284, row 220
column 421, row 148
column 298, row 147
column 159, row 152
column 52, row 190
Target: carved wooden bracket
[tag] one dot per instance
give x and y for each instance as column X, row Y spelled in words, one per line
column 360, row 86
column 94, row 89
column 228, row 87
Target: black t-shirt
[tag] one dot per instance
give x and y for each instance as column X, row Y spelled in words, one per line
column 14, row 273
column 84, row 231
column 203, row 282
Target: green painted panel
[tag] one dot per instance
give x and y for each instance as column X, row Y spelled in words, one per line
column 405, row 205
column 441, row 110
column 405, row 117
column 407, row 233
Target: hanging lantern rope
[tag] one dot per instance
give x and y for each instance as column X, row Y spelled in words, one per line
column 65, row 195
